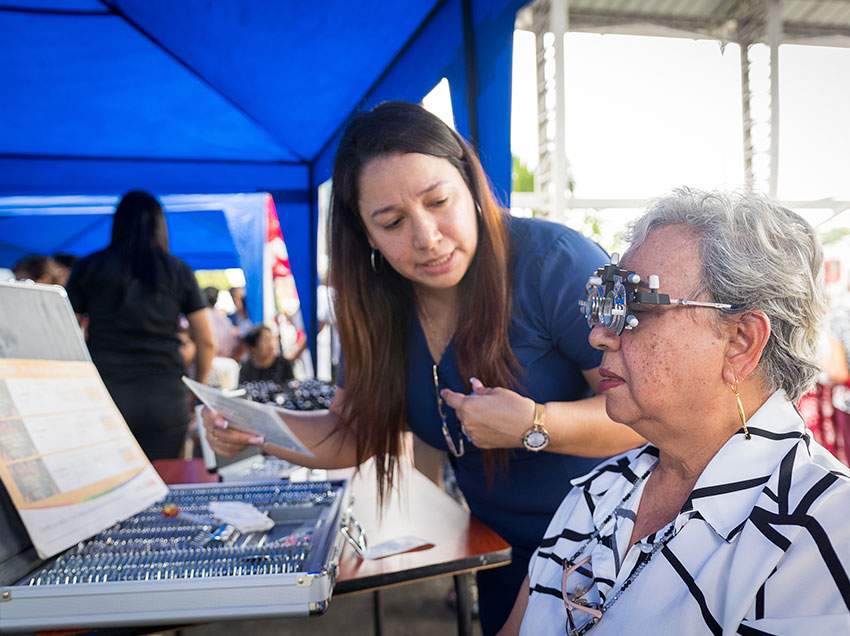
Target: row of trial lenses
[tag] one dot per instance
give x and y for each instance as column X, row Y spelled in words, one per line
column 136, row 566
column 154, row 571
column 177, row 557
column 186, row 554
column 165, row 531
column 274, row 494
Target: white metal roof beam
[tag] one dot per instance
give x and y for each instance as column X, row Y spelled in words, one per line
column 714, row 27
column 536, row 201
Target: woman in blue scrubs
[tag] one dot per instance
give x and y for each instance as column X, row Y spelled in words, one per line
column 461, row 324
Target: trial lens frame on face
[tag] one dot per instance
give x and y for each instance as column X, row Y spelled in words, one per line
column 611, row 291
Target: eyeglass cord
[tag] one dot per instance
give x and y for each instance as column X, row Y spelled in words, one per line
column 457, row 450
column 656, row 547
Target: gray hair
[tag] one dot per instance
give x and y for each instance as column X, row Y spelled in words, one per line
column 758, row 255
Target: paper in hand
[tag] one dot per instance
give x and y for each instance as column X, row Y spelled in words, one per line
column 250, row 417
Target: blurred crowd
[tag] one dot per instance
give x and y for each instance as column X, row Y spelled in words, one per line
column 826, row 409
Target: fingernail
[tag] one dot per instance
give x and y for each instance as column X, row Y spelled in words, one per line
column 257, row 440
column 473, row 380
column 220, row 423
column 443, row 393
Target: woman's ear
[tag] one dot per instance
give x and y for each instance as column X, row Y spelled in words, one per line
column 748, row 336
column 369, row 239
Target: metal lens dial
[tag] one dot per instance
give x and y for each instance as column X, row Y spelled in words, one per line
column 614, row 308
column 592, row 305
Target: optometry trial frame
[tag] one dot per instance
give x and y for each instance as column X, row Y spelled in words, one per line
column 612, row 291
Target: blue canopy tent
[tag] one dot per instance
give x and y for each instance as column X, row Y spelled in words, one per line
column 208, row 232
column 101, row 96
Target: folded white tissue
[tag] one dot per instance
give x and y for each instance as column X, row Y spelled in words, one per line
column 245, row 517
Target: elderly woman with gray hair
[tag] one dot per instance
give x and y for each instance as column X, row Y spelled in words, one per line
column 731, row 520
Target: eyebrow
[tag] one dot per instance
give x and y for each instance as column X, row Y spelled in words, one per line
column 389, row 208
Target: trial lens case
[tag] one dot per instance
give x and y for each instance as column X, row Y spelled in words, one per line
column 172, row 562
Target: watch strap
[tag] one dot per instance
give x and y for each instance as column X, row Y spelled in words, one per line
column 537, row 429
column 539, row 415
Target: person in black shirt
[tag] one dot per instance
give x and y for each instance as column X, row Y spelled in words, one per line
column 133, row 293
column 264, row 361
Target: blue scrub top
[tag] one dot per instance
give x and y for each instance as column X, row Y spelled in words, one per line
column 550, row 265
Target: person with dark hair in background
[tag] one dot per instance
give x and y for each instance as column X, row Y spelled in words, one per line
column 38, row 269
column 241, row 320
column 225, row 333
column 64, row 264
column 188, row 350
column 133, row 293
column 264, row 361
column 240, row 317
column 439, row 292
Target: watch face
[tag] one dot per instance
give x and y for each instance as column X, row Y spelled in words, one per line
column 536, row 439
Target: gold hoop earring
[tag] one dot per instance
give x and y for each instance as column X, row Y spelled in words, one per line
column 741, row 412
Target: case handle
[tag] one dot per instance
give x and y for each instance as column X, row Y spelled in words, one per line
column 355, row 535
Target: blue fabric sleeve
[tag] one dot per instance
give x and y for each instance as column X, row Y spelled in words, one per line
column 564, row 270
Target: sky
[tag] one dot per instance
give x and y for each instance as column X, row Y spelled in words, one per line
column 647, row 114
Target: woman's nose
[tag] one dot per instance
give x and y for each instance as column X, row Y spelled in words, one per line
column 603, row 339
column 426, row 232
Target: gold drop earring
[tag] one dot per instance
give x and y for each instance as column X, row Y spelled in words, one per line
column 741, row 412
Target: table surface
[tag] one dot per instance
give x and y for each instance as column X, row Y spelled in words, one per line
column 416, row 507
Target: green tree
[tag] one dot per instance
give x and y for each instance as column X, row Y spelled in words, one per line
column 522, row 179
column 834, row 235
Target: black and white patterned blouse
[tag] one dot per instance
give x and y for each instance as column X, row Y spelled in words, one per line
column 762, row 545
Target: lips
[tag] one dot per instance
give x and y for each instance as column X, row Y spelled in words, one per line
column 609, row 380
column 439, row 265
column 609, row 375
column 436, row 262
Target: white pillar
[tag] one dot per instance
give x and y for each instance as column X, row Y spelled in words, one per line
column 559, row 23
column 746, row 116
column 774, row 39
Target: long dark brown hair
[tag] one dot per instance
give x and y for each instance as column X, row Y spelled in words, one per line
column 374, row 310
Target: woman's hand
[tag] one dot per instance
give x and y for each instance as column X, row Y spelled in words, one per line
column 498, row 418
column 224, row 440
column 491, row 417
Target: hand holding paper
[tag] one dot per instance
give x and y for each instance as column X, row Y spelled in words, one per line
column 258, row 419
